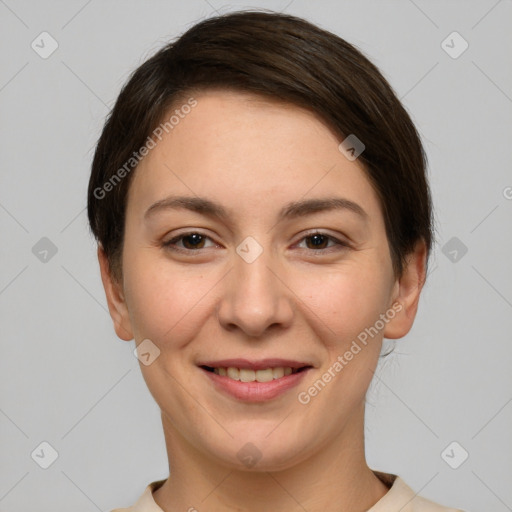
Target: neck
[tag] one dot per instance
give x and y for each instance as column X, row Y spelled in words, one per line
column 335, row 478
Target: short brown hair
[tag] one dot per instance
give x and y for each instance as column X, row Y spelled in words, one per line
column 285, row 58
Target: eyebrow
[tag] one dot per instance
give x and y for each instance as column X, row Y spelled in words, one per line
column 291, row 210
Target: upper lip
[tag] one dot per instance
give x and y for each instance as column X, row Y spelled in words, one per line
column 260, row 364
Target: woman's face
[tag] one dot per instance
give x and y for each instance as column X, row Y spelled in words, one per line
column 256, row 283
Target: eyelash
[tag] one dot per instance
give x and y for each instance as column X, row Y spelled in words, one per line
column 170, row 243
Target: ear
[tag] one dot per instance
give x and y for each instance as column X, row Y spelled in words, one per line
column 406, row 293
column 115, row 299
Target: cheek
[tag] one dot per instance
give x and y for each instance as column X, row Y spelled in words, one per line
column 164, row 305
column 346, row 301
column 347, row 304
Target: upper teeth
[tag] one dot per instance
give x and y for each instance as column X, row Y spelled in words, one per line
column 246, row 375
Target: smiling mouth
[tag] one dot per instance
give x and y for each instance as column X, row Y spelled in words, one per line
column 250, row 375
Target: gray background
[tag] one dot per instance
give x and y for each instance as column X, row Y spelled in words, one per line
column 68, row 380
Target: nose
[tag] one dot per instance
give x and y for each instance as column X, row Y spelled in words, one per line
column 255, row 297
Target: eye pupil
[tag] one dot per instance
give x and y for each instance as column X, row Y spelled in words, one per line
column 317, row 239
column 198, row 238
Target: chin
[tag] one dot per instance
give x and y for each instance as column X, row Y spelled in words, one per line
column 258, row 453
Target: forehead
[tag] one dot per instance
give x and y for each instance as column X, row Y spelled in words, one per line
column 234, row 122
column 250, row 151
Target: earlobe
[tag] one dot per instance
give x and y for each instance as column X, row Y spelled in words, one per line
column 407, row 293
column 115, row 299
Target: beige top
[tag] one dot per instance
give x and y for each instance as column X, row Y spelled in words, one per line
column 399, row 498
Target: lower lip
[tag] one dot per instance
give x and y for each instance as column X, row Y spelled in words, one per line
column 256, row 391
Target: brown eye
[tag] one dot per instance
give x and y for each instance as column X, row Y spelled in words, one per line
column 318, row 241
column 190, row 242
column 193, row 241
